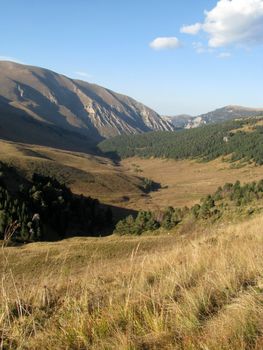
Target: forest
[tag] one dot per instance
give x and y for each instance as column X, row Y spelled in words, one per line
column 206, row 142
column 44, row 209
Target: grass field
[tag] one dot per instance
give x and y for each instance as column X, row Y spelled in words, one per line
column 184, row 182
column 202, row 290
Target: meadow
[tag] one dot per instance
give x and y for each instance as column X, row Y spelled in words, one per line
column 197, row 290
column 185, row 182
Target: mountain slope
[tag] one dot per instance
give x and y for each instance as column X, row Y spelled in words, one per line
column 227, row 113
column 17, row 125
column 52, row 100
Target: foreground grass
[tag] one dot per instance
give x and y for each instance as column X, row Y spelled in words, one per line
column 202, row 291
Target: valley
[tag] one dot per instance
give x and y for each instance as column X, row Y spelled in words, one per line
column 182, row 182
column 147, row 240
column 131, row 175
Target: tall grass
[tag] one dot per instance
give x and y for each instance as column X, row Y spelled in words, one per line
column 203, row 292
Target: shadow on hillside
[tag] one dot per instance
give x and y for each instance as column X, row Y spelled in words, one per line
column 100, row 230
column 113, row 156
column 50, row 210
column 118, row 213
column 17, row 125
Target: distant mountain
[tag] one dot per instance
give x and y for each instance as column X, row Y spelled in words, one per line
column 229, row 113
column 179, row 121
column 185, row 121
column 41, row 106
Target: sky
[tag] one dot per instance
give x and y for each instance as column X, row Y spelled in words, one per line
column 175, row 56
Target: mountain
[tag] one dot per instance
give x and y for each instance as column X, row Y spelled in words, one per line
column 179, row 121
column 227, row 113
column 41, row 106
column 185, row 121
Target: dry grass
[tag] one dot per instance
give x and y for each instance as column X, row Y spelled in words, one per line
column 85, row 174
column 185, row 182
column 249, row 127
column 200, row 291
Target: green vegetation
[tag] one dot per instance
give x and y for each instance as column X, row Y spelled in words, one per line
column 145, row 221
column 207, row 142
column 43, row 209
column 230, row 196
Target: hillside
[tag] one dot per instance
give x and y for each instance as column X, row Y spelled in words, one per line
column 229, row 113
column 201, row 290
column 41, row 208
column 217, row 116
column 241, row 139
column 85, row 174
column 46, row 103
column 18, row 125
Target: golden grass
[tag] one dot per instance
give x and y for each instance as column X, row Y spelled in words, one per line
column 197, row 291
column 85, row 174
column 185, row 182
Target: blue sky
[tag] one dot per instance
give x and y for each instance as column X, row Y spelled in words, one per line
column 167, row 54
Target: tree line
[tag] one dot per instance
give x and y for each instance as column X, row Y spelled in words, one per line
column 210, row 207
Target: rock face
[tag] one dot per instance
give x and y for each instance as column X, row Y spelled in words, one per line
column 71, row 106
column 179, row 121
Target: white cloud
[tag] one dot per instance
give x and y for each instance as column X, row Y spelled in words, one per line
column 224, row 55
column 192, row 29
column 162, row 43
column 233, row 23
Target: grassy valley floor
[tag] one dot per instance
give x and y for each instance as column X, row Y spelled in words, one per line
column 184, row 182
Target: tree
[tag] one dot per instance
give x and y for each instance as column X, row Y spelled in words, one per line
column 3, row 222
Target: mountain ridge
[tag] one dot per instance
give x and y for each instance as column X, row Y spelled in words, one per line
column 222, row 114
column 53, row 100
